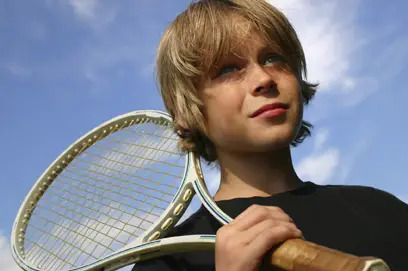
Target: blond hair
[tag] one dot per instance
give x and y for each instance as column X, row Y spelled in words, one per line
column 199, row 38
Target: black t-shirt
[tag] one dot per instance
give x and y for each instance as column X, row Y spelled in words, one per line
column 355, row 219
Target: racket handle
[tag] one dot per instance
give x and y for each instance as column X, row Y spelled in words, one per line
column 300, row 255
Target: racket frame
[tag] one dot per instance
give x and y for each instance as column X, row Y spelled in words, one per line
column 146, row 245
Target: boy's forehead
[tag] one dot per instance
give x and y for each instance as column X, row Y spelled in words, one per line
column 243, row 31
column 245, row 43
column 242, row 41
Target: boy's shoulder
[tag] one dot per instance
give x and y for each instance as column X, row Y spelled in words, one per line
column 361, row 191
column 369, row 198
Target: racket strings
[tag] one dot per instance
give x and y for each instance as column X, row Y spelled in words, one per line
column 68, row 228
column 107, row 196
column 103, row 167
column 129, row 163
column 84, row 208
column 120, row 192
column 159, row 138
column 46, row 249
column 107, row 208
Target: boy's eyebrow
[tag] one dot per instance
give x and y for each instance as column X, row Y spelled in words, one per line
column 238, row 54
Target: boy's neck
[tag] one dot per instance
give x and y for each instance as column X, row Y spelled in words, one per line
column 246, row 175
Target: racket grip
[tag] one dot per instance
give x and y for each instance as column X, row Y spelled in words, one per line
column 300, row 255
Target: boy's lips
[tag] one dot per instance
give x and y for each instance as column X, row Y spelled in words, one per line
column 278, row 108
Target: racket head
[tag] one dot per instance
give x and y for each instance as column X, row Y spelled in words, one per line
column 37, row 242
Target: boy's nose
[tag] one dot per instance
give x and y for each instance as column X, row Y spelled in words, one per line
column 262, row 82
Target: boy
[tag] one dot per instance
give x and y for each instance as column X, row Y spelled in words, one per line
column 232, row 75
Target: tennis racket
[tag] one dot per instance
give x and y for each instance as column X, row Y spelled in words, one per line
column 110, row 198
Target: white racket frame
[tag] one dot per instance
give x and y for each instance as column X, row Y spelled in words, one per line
column 146, row 246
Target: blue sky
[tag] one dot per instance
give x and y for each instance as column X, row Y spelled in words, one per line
column 68, row 65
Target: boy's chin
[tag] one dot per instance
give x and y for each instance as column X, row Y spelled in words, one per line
column 263, row 141
column 263, row 145
column 271, row 146
column 274, row 139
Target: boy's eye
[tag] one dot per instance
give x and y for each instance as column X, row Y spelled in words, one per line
column 227, row 69
column 270, row 59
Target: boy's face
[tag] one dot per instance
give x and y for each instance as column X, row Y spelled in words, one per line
column 237, row 90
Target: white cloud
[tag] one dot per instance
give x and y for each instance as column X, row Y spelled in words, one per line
column 84, row 8
column 365, row 86
column 323, row 163
column 363, row 141
column 320, row 167
column 18, row 70
column 327, row 164
column 92, row 12
column 332, row 41
column 321, row 138
column 329, row 37
column 6, row 260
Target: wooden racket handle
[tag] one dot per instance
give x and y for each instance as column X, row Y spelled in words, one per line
column 300, row 255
